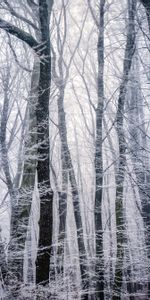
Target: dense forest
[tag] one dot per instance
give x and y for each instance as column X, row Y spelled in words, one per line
column 75, row 149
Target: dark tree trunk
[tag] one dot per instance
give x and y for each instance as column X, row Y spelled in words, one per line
column 99, row 160
column 43, row 150
column 42, row 118
column 63, row 194
column 120, row 221
column 42, row 114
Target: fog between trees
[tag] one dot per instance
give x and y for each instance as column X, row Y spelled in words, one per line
column 74, row 149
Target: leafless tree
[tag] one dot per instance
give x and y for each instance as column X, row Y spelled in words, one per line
column 42, row 50
column 120, row 221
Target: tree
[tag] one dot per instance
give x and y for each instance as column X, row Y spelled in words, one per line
column 42, row 50
column 60, row 74
column 120, row 220
column 74, row 149
column 99, row 158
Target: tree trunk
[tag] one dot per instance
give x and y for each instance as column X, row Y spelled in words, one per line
column 67, row 168
column 63, row 194
column 42, row 142
column 43, row 151
column 68, row 173
column 138, row 141
column 21, row 210
column 120, row 221
column 99, row 160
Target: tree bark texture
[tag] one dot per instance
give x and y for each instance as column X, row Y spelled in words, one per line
column 43, row 150
column 99, row 159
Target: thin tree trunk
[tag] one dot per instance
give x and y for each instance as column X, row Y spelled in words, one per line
column 99, row 160
column 63, row 194
column 68, row 172
column 120, row 221
column 68, row 169
column 12, row 192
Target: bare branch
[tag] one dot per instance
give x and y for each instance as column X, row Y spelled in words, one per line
column 92, row 13
column 15, row 56
column 20, row 34
column 15, row 14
